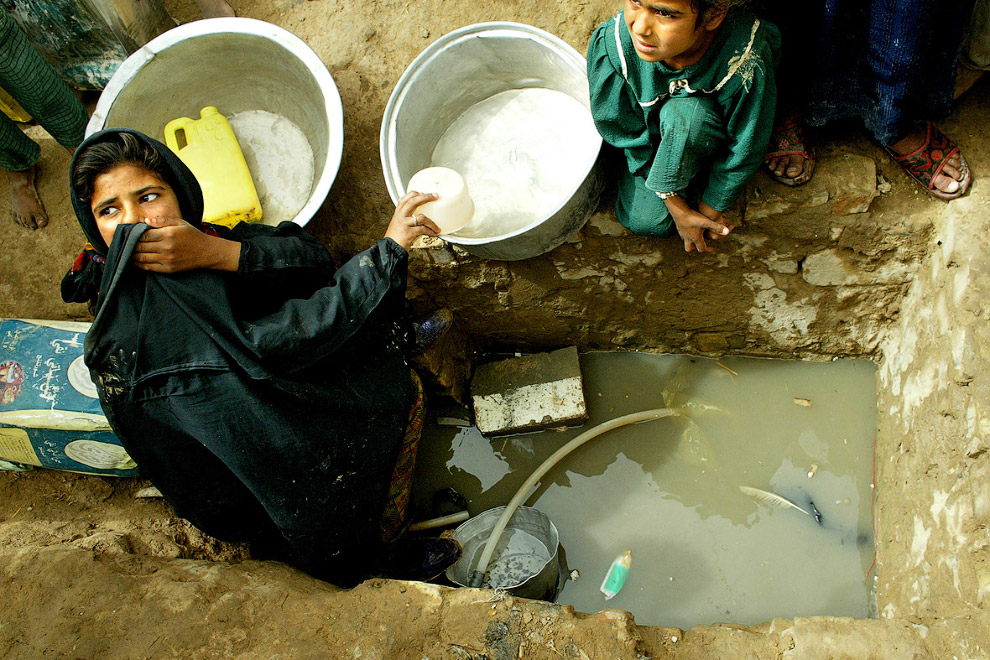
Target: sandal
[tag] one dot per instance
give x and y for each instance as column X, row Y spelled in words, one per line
column 788, row 140
column 926, row 162
column 431, row 327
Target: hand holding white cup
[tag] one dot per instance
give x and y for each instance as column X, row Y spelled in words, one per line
column 454, row 208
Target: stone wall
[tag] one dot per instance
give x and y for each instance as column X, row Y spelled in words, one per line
column 810, row 272
column 934, row 469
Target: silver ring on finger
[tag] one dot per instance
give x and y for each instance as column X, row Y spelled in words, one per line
column 415, row 221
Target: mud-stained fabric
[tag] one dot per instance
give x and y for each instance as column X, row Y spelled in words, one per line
column 976, row 47
column 886, row 62
column 736, row 79
column 32, row 82
column 269, row 414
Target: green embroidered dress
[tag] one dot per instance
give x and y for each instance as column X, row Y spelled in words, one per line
column 701, row 130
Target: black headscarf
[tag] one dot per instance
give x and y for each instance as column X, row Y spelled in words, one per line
column 160, row 324
column 176, row 175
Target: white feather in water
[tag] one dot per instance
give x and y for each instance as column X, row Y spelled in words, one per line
column 773, row 499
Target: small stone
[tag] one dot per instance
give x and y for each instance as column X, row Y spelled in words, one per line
column 711, row 342
column 803, row 402
column 452, row 421
column 149, row 492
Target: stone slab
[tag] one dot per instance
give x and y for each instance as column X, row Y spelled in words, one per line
column 529, row 393
column 844, row 184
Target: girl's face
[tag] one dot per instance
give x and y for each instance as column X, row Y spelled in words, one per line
column 669, row 31
column 127, row 194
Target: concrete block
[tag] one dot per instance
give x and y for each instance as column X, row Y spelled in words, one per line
column 529, row 393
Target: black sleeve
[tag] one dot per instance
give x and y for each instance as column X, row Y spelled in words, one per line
column 283, row 252
column 371, row 285
column 276, row 264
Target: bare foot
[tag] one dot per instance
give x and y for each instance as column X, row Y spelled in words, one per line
column 25, row 204
column 950, row 178
column 790, row 167
column 214, row 8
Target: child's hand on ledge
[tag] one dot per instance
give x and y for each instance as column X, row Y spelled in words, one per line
column 696, row 226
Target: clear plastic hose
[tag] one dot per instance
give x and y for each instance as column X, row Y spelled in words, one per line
column 478, row 574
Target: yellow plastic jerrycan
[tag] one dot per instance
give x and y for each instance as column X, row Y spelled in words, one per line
column 209, row 148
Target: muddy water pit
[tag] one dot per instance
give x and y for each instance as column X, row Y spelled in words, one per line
column 669, row 490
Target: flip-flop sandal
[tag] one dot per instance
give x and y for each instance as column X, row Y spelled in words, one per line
column 788, row 140
column 926, row 162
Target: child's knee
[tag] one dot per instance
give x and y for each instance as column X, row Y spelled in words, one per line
column 694, row 118
column 647, row 225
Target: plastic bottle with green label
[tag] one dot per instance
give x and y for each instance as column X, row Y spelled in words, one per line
column 616, row 576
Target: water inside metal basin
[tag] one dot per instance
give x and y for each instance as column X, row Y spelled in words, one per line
column 467, row 67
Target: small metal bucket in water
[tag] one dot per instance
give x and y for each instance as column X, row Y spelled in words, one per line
column 526, row 561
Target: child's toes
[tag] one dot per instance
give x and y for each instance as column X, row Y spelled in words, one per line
column 953, row 171
column 946, row 184
column 795, row 166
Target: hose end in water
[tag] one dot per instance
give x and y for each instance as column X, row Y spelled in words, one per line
column 477, row 577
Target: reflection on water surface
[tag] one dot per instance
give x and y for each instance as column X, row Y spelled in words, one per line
column 703, row 552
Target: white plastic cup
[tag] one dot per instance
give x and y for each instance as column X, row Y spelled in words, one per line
column 454, row 208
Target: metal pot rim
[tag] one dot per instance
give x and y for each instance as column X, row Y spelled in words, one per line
column 489, row 517
column 387, row 136
column 250, row 27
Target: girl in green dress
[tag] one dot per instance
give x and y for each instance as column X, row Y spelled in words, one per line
column 685, row 88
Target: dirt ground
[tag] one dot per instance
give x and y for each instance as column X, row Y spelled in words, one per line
column 93, row 572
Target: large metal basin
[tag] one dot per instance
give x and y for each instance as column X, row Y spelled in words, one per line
column 466, row 67
column 235, row 64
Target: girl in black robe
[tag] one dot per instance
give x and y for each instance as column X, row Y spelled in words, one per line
column 265, row 396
